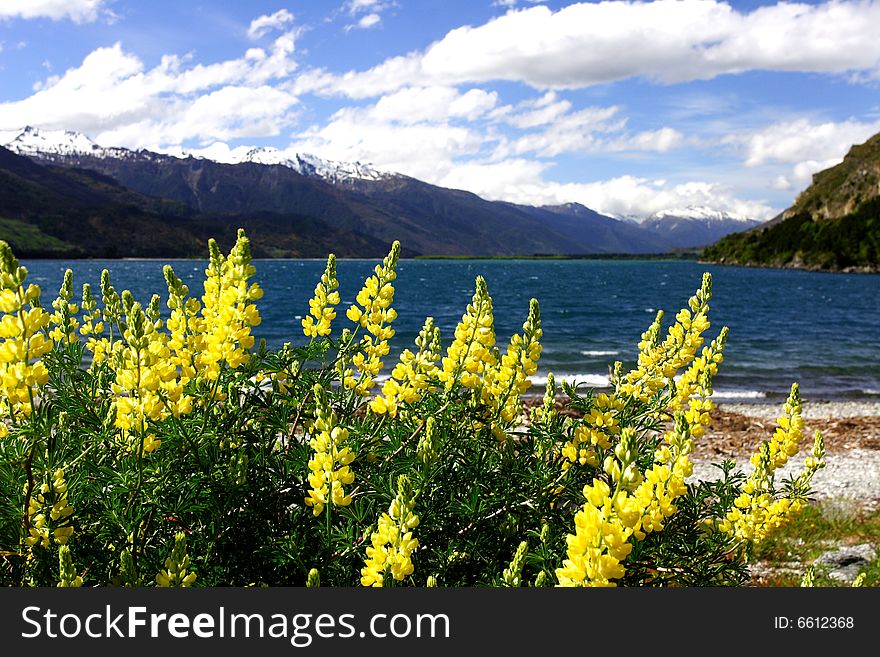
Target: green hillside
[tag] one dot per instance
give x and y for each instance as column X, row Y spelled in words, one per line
column 833, row 225
column 853, row 241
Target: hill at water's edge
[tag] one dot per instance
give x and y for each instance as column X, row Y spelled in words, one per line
column 833, row 225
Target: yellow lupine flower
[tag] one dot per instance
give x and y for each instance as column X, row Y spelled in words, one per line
column 329, row 467
column 63, row 320
column 599, row 544
column 228, row 311
column 22, row 342
column 49, row 513
column 758, row 511
column 175, row 575
column 67, row 571
column 471, row 351
column 146, row 385
column 660, row 361
column 321, row 311
column 504, row 383
column 373, row 312
column 411, row 377
column 392, row 544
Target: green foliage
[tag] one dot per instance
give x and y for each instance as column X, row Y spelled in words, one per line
column 850, row 241
column 446, row 479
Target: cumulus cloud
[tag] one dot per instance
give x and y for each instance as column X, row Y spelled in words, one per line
column 79, row 11
column 665, row 41
column 262, row 25
column 806, row 145
column 114, row 99
column 423, row 150
column 431, row 104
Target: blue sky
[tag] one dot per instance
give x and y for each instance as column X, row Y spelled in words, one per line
column 627, row 107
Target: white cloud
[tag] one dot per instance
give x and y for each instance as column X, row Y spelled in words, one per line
column 112, row 97
column 805, row 145
column 659, row 141
column 355, row 6
column 419, row 149
column 431, row 104
column 592, row 129
column 263, row 24
column 541, row 111
column 521, row 181
column 512, row 3
column 371, row 10
column 368, row 21
column 666, row 41
column 79, row 11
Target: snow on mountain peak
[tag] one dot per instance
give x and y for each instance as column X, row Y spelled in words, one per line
column 53, row 144
column 698, row 212
column 31, row 141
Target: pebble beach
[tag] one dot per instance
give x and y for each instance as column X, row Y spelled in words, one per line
column 851, row 430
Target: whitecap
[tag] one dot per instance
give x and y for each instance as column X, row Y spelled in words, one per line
column 592, row 380
column 738, row 394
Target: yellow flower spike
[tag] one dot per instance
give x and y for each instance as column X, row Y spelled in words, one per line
column 321, row 305
column 470, row 353
column 411, row 377
column 758, row 511
column 49, row 512
column 392, row 544
column 228, row 311
column 329, row 466
column 505, row 381
column 175, row 575
column 375, row 315
column 22, row 322
column 660, row 361
column 67, row 572
column 63, row 320
column 512, row 575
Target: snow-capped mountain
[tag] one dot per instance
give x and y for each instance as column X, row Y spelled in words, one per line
column 310, row 165
column 260, row 185
column 696, row 225
column 54, row 145
column 699, row 213
column 68, row 147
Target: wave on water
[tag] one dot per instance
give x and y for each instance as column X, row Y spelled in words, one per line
column 738, row 394
column 599, row 352
column 594, row 380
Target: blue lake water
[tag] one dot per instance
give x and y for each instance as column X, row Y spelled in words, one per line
column 820, row 330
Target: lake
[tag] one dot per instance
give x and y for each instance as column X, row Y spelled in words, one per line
column 818, row 329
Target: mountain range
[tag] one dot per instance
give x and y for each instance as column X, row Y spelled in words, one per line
column 834, row 224
column 62, row 194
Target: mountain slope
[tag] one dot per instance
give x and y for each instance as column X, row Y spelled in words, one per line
column 50, row 211
column 614, row 236
column 426, row 219
column 834, row 224
column 349, row 196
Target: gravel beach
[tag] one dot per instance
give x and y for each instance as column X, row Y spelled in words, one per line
column 851, row 429
column 852, row 437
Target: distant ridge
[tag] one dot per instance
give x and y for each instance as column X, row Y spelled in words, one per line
column 353, row 202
